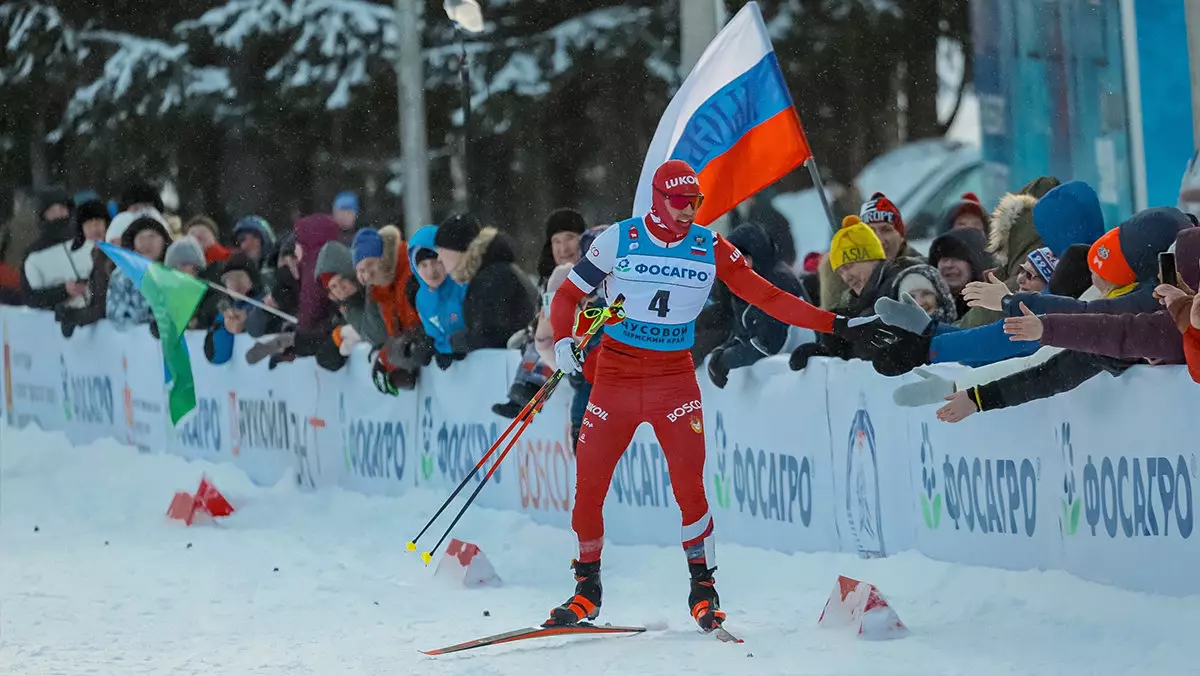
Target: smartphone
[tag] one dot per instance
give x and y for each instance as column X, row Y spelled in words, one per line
column 1166, row 268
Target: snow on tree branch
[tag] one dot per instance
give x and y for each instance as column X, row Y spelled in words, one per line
column 143, row 77
column 38, row 43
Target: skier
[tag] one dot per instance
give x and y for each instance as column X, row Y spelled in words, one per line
column 665, row 266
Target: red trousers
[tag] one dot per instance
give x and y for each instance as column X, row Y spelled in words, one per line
column 632, row 386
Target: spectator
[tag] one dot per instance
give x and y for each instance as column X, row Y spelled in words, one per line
column 316, row 315
column 564, row 227
column 345, row 214
column 253, row 236
column 439, row 299
column 967, row 214
column 93, row 220
column 755, row 333
column 960, row 258
column 884, row 218
column 363, row 323
column 18, row 233
column 125, row 304
column 205, row 230
column 858, row 257
column 284, row 293
column 186, row 255
column 240, row 275
column 382, row 262
column 499, row 299
column 55, row 273
column 928, row 289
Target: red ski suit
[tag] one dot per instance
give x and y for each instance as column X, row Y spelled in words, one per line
column 633, row 385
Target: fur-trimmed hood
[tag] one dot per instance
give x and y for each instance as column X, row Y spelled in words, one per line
column 1012, row 226
column 489, row 246
column 392, row 241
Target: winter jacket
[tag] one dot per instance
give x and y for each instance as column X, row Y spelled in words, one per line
column 398, row 313
column 1013, row 236
column 440, row 309
column 834, row 290
column 963, row 244
column 313, row 232
column 499, row 299
column 987, row 344
column 1144, row 236
column 363, row 316
column 1061, row 373
column 125, row 305
column 52, row 262
column 755, row 333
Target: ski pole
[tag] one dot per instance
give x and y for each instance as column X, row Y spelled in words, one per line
column 428, row 556
column 600, row 317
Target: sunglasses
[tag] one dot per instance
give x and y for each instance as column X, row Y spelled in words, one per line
column 681, row 202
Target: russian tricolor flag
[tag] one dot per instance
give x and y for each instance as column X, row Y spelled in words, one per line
column 732, row 120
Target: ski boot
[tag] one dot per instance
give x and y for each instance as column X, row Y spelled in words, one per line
column 703, row 600
column 585, row 604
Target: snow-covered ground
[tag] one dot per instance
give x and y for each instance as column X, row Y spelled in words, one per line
column 94, row 580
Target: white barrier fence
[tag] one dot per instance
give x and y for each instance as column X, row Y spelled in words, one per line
column 1097, row 481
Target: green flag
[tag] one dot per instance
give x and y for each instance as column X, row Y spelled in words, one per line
column 173, row 297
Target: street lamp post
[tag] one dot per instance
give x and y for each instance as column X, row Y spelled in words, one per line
column 467, row 18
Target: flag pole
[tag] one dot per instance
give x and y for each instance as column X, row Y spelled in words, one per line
column 813, row 171
column 256, row 303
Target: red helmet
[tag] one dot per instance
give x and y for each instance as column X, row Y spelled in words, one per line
column 675, row 183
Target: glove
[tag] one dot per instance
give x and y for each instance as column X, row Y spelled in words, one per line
column 867, row 335
column 380, row 376
column 907, row 352
column 904, row 313
column 717, row 371
column 423, row 349
column 443, row 360
column 932, row 389
column 350, row 338
column 800, row 356
column 566, row 353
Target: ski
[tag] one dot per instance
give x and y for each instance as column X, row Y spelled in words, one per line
column 724, row 636
column 535, row 632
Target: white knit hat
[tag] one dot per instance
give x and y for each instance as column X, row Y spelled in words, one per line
column 123, row 220
column 914, row 281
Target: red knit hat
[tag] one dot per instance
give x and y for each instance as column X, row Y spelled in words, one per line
column 1106, row 259
column 880, row 209
column 969, row 204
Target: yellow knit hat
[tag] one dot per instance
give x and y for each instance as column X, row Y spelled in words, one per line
column 856, row 242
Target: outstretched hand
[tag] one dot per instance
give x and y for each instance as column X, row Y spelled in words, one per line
column 904, row 313
column 959, row 408
column 988, row 295
column 1026, row 327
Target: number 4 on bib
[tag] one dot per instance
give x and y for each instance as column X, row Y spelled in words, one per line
column 660, row 303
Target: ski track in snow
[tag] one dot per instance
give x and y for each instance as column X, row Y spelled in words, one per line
column 347, row 598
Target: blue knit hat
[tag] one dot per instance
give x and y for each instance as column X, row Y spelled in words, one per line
column 367, row 244
column 346, row 201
